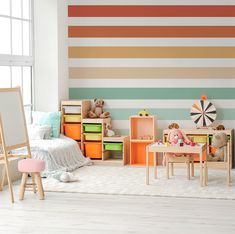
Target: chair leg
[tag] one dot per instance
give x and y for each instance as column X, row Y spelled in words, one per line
column 172, row 169
column 39, row 185
column 188, row 170
column 33, row 183
column 23, row 185
column 192, row 168
column 167, row 169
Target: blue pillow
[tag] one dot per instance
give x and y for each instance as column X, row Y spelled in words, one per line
column 48, row 118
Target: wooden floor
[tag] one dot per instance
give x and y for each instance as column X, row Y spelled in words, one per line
column 83, row 213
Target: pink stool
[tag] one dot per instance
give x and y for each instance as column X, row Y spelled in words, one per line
column 33, row 167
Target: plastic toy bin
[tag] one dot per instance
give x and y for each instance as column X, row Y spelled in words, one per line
column 73, row 131
column 113, row 146
column 93, row 136
column 92, row 127
column 93, row 149
column 72, row 109
column 72, row 118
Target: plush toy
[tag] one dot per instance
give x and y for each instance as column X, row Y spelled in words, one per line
column 219, row 141
column 143, row 113
column 220, row 127
column 64, row 177
column 176, row 137
column 174, row 125
column 97, row 111
column 108, row 130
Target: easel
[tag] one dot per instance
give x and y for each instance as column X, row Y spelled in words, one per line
column 6, row 146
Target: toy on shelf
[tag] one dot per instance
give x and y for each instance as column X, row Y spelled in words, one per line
column 143, row 113
column 108, row 130
column 219, row 143
column 203, row 113
column 97, row 111
column 174, row 126
column 220, row 127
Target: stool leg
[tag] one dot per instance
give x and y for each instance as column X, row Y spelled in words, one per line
column 192, row 167
column 167, row 169
column 188, row 170
column 172, row 169
column 33, row 182
column 39, row 185
column 23, row 185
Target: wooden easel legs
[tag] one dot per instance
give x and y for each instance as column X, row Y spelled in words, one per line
column 2, row 178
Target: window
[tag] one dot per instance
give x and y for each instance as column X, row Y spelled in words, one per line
column 16, row 57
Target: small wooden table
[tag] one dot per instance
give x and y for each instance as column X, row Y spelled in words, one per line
column 158, row 148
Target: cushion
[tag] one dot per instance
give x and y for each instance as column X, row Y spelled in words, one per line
column 31, row 165
column 50, row 119
column 37, row 132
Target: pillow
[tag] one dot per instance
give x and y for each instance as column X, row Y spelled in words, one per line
column 37, row 132
column 50, row 119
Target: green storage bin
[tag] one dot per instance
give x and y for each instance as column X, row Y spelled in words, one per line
column 113, row 146
column 92, row 127
column 93, row 136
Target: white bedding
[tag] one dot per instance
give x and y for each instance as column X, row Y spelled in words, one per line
column 60, row 154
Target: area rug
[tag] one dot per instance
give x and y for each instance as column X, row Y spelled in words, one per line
column 97, row 179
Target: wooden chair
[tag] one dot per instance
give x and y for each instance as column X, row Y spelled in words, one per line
column 31, row 167
column 171, row 159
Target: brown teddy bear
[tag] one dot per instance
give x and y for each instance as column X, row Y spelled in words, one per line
column 97, row 111
column 219, row 141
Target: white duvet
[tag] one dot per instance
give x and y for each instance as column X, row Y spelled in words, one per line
column 60, row 154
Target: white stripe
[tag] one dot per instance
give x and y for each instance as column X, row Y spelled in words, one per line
column 154, row 83
column 163, row 104
column 151, row 2
column 151, row 41
column 200, row 62
column 163, row 124
column 151, row 21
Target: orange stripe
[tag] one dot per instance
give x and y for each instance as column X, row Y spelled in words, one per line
column 151, row 11
column 151, row 31
column 151, row 52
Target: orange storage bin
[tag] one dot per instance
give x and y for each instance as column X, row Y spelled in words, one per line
column 73, row 131
column 93, row 149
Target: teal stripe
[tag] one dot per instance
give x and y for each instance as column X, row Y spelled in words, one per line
column 168, row 114
column 151, row 93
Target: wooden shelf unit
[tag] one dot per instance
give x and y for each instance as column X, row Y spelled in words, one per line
column 142, row 133
column 204, row 136
column 74, row 129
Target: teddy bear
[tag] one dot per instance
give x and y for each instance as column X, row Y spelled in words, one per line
column 97, row 111
column 175, row 137
column 219, row 141
column 108, row 130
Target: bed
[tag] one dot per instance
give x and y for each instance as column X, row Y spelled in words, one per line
column 60, row 154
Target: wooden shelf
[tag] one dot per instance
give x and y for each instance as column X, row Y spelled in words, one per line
column 141, row 141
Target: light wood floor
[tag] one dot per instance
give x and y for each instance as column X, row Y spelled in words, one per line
column 83, row 213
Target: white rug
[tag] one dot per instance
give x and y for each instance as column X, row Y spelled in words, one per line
column 127, row 180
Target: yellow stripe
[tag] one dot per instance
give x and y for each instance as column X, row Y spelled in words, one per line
column 151, row 52
column 151, row 73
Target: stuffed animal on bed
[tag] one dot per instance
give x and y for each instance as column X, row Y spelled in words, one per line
column 97, row 111
column 219, row 142
column 175, row 137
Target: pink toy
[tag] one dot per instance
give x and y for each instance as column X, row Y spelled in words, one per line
column 176, row 137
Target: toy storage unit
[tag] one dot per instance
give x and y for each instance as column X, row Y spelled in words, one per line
column 92, row 137
column 72, row 113
column 116, row 149
column 205, row 136
column 142, row 133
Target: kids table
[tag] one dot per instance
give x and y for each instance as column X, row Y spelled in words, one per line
column 162, row 148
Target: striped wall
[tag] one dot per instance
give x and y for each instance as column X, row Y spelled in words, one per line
column 156, row 54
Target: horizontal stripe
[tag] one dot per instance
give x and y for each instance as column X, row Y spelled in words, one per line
column 163, row 104
column 163, row 124
column 150, row 2
column 150, row 11
column 151, row 31
column 151, row 41
column 151, row 21
column 152, row 62
column 168, row 114
column 151, row 73
column 151, row 52
column 151, row 93
column 151, row 83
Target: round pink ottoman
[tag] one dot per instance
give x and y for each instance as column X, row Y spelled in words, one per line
column 31, row 167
